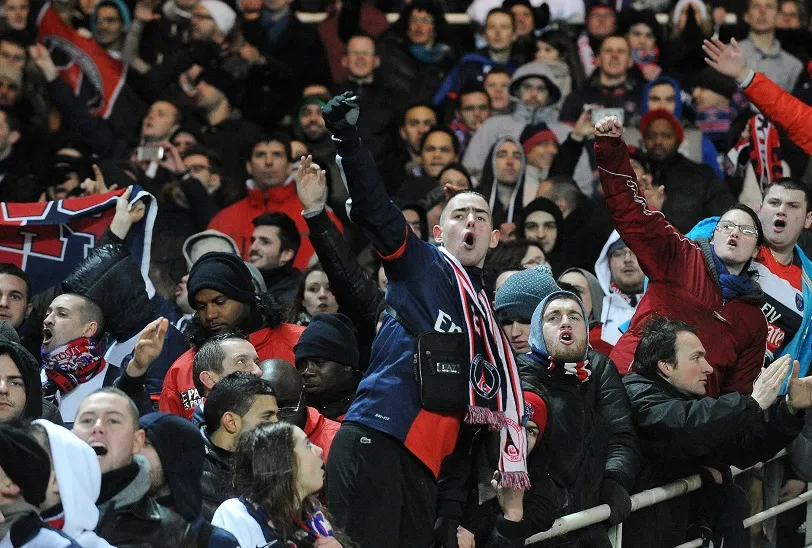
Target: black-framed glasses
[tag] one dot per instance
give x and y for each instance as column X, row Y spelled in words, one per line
column 727, row 227
column 287, row 412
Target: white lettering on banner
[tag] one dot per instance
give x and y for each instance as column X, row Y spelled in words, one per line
column 444, row 324
column 775, row 336
column 770, row 313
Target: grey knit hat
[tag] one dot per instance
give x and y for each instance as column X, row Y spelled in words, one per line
column 521, row 293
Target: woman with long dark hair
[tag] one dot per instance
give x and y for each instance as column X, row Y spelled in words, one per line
column 313, row 296
column 277, row 472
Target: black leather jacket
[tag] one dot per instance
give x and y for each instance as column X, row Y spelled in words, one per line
column 357, row 294
column 215, row 483
column 145, row 524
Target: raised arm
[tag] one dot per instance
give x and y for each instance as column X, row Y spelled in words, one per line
column 657, row 244
column 372, row 210
column 788, row 112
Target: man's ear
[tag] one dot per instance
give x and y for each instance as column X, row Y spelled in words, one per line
column 286, row 256
column 91, row 330
column 494, row 239
column 345, row 62
column 232, row 422
column 377, row 62
column 13, row 137
column 208, row 380
column 665, row 368
column 248, row 169
column 28, row 310
column 138, row 441
column 437, row 232
column 807, row 221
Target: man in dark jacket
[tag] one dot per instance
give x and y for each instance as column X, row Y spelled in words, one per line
column 693, row 191
column 683, row 432
column 237, row 402
column 175, row 454
column 589, row 442
column 274, row 245
column 107, row 420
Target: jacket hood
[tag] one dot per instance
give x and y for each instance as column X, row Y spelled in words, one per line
column 489, row 184
column 180, row 448
column 602, row 264
column 535, row 69
column 595, row 292
column 136, row 489
column 536, row 339
column 79, row 477
column 677, row 93
column 29, row 369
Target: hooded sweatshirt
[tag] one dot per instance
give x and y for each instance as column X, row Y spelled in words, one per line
column 504, row 208
column 78, row 475
column 512, row 124
column 695, row 145
column 536, row 338
column 617, row 310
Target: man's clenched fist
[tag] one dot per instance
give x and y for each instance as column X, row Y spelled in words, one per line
column 341, row 115
column 609, row 127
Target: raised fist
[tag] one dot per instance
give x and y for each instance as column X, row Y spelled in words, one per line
column 609, row 126
column 341, row 115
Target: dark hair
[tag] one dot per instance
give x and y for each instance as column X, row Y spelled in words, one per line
column 265, row 471
column 273, row 137
column 753, row 216
column 469, row 91
column 415, row 105
column 210, row 357
column 495, row 70
column 178, row 110
column 289, row 236
column 131, row 407
column 13, row 270
column 91, row 312
column 658, row 343
column 503, row 11
column 791, row 184
column 565, row 46
column 235, row 393
column 456, row 166
column 199, row 150
column 505, row 256
column 265, row 311
column 441, row 27
column 439, row 129
column 297, row 306
column 564, row 187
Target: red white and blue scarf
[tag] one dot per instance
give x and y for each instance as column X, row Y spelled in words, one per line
column 495, row 393
column 70, row 365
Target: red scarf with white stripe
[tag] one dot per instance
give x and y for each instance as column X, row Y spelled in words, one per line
column 495, row 393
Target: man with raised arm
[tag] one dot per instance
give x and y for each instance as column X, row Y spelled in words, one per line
column 387, row 456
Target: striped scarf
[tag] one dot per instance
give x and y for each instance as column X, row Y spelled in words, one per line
column 495, row 394
column 70, row 365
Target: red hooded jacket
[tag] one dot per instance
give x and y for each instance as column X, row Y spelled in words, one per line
column 681, row 284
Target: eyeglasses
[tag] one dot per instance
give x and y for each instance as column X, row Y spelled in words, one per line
column 288, row 412
column 727, row 227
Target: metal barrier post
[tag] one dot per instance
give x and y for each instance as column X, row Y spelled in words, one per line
column 808, row 522
column 615, row 535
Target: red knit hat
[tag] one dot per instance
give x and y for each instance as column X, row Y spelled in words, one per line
column 540, row 136
column 661, row 114
column 537, row 410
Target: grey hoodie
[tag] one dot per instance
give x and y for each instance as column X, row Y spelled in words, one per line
column 476, row 154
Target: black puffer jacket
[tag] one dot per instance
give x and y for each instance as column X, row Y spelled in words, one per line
column 110, row 278
column 589, row 436
column 215, row 483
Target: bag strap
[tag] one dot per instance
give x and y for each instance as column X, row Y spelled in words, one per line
column 402, row 321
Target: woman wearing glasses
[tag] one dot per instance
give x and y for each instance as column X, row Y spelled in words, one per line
column 705, row 283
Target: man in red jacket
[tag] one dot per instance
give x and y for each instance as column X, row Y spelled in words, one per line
column 221, row 292
column 270, row 189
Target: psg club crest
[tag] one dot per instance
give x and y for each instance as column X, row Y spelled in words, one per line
column 799, row 302
column 484, row 377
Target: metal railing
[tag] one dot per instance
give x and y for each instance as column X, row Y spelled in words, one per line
column 650, row 497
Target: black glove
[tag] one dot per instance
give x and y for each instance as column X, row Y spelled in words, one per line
column 620, row 504
column 341, row 115
column 445, row 532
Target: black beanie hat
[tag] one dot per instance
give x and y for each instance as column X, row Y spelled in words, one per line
column 25, row 462
column 180, row 448
column 223, row 272
column 329, row 337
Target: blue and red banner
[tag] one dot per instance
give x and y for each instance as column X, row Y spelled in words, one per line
column 94, row 75
column 48, row 239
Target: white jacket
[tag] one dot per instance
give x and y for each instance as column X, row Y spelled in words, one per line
column 79, row 478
